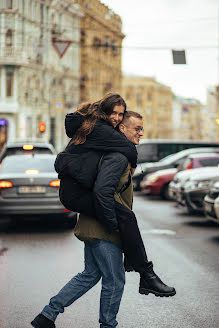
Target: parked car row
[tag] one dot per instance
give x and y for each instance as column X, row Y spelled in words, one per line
column 193, row 184
column 29, row 184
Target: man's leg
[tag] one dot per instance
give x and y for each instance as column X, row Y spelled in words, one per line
column 74, row 289
column 110, row 261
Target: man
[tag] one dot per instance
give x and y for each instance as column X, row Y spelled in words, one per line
column 103, row 253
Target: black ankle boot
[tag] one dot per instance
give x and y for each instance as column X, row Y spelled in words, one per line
column 42, row 322
column 151, row 283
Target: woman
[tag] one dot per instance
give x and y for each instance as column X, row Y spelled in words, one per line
column 93, row 131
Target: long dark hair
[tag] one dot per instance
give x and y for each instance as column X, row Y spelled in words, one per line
column 93, row 111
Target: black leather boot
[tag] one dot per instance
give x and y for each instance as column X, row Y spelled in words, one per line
column 42, row 322
column 151, row 283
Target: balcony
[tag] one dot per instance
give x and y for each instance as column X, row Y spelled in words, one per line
column 13, row 56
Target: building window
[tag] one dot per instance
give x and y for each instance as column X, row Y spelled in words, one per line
column 138, row 99
column 29, row 127
column 106, row 42
column 9, row 4
column 9, row 83
column 149, row 96
column 96, row 42
column 83, row 36
column 148, row 111
column 9, row 36
column 41, row 13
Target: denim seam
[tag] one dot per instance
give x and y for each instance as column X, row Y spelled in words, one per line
column 107, row 315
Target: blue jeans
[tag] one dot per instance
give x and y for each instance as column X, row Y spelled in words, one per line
column 104, row 260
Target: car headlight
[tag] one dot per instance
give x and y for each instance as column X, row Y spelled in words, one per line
column 152, row 178
column 190, row 185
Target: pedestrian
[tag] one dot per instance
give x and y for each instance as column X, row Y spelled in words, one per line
column 103, row 254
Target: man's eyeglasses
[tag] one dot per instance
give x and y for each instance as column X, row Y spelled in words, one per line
column 138, row 130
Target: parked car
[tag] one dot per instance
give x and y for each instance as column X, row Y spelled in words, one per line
column 211, row 203
column 171, row 161
column 177, row 185
column 31, row 187
column 198, row 185
column 198, row 160
column 157, row 183
column 26, row 147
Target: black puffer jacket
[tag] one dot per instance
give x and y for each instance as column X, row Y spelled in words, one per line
column 81, row 161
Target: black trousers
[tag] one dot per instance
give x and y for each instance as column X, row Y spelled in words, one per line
column 78, row 199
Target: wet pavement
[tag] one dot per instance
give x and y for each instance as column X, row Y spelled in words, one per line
column 38, row 258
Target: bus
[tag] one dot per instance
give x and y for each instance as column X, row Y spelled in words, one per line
column 152, row 150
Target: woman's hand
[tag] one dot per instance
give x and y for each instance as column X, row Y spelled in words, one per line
column 131, row 169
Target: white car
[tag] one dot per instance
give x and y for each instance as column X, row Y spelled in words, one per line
column 211, row 203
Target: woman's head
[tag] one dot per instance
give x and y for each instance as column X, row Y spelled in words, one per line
column 111, row 108
column 114, row 106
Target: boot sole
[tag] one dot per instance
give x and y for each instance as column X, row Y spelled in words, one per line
column 145, row 291
column 35, row 324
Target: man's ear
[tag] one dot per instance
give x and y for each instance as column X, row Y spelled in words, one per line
column 122, row 127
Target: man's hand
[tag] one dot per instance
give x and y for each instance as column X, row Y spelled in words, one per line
column 132, row 171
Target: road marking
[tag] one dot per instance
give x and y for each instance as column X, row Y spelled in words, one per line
column 159, row 232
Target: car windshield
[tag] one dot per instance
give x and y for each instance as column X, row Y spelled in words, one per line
column 21, row 151
column 19, row 164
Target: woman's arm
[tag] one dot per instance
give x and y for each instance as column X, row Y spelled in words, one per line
column 105, row 138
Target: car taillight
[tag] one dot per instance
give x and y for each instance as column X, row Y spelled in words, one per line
column 55, row 183
column 28, row 147
column 6, row 184
column 189, row 166
column 66, row 210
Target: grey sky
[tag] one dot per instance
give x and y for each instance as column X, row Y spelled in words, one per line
column 171, row 24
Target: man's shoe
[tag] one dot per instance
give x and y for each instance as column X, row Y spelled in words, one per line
column 42, row 322
column 151, row 283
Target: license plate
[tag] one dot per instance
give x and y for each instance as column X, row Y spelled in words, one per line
column 32, row 190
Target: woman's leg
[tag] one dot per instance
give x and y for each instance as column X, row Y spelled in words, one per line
column 132, row 243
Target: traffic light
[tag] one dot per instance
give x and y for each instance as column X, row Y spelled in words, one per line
column 42, row 127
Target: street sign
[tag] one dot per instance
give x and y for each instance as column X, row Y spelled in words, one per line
column 179, row 57
column 58, row 105
column 61, row 46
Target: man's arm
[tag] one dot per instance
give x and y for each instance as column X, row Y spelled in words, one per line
column 113, row 166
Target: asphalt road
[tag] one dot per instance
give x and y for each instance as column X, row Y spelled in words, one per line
column 37, row 259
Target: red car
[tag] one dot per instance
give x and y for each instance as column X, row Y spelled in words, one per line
column 157, row 183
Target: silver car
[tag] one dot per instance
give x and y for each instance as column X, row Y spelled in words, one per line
column 29, row 185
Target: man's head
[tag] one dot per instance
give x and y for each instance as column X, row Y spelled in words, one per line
column 132, row 126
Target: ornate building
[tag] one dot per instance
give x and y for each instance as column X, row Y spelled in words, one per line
column 187, row 119
column 153, row 101
column 101, row 46
column 35, row 84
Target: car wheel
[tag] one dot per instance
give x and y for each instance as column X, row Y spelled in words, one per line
column 165, row 192
column 189, row 209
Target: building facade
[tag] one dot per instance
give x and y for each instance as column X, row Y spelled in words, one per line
column 101, row 50
column 153, row 101
column 187, row 124
column 35, row 84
